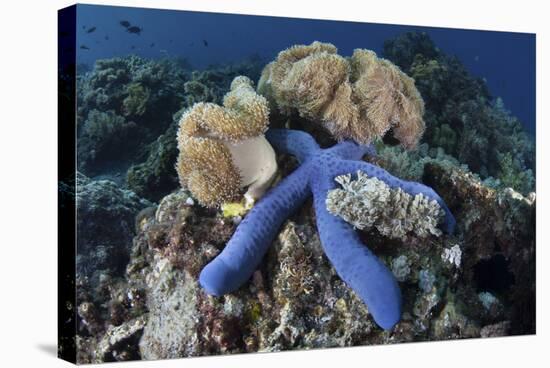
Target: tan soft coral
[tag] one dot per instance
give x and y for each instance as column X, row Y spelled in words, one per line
column 386, row 97
column 359, row 98
column 223, row 149
column 244, row 114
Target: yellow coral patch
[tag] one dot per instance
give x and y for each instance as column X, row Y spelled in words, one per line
column 234, row 209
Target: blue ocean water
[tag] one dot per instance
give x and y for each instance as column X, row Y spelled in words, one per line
column 505, row 60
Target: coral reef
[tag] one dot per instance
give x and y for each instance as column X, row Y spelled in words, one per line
column 156, row 176
column 353, row 261
column 360, row 98
column 125, row 116
column 460, row 116
column 124, row 103
column 295, row 300
column 498, row 228
column 409, row 164
column 110, row 312
column 139, row 294
column 223, row 149
column 369, row 202
column 105, row 227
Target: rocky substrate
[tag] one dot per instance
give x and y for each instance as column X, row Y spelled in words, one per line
column 295, row 300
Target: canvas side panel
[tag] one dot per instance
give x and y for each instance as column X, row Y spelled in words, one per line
column 66, row 128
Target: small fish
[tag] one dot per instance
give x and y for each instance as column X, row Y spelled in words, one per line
column 152, row 45
column 205, row 43
column 134, row 29
column 124, row 23
column 84, row 47
column 133, row 47
column 476, row 58
column 91, row 30
column 106, row 38
column 83, row 27
column 170, row 41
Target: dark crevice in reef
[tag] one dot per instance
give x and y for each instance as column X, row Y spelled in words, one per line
column 493, row 275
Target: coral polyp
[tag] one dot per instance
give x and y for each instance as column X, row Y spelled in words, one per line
column 363, row 271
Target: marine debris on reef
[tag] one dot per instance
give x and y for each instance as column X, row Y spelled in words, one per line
column 353, row 261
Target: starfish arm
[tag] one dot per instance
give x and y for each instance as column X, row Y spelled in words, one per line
column 360, row 269
column 411, row 187
column 248, row 245
column 294, row 142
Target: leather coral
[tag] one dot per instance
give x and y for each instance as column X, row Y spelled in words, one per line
column 222, row 149
column 358, row 98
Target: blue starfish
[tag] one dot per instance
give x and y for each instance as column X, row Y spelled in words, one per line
column 354, row 262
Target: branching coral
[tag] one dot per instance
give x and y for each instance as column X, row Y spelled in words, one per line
column 102, row 132
column 222, row 148
column 369, row 202
column 360, row 98
column 136, row 101
column 353, row 261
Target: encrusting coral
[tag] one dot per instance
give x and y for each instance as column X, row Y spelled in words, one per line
column 361, row 98
column 354, row 262
column 223, row 149
column 369, row 202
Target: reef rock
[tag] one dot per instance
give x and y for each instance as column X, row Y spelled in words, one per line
column 105, row 227
column 295, row 300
